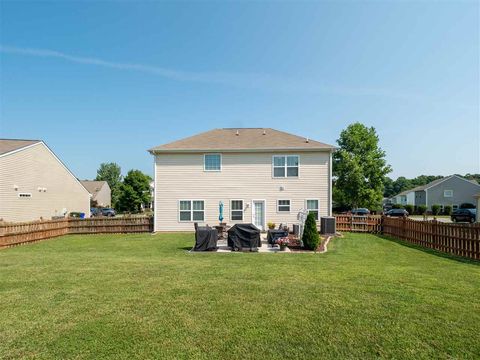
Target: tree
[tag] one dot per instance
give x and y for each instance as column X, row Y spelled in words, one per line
column 112, row 174
column 360, row 168
column 134, row 192
column 310, row 237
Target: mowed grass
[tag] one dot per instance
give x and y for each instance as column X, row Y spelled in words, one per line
column 145, row 296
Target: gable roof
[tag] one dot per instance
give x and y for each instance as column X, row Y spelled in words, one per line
column 9, row 145
column 435, row 183
column 242, row 139
column 93, row 186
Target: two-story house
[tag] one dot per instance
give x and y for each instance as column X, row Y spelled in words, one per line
column 259, row 175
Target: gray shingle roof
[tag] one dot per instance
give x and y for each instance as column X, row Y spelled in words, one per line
column 242, row 139
column 8, row 145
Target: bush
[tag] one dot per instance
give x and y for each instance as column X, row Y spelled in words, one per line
column 409, row 208
column 421, row 209
column 310, row 238
column 447, row 210
column 435, row 209
column 397, row 206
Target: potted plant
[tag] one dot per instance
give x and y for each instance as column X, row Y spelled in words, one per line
column 271, row 225
column 283, row 242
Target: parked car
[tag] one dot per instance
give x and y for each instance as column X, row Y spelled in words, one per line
column 360, row 211
column 108, row 212
column 464, row 215
column 397, row 213
column 95, row 212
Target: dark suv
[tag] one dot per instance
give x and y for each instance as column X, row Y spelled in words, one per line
column 361, row 212
column 465, row 215
column 397, row 213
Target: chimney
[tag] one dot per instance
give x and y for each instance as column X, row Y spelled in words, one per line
column 264, row 132
column 237, row 133
column 306, row 140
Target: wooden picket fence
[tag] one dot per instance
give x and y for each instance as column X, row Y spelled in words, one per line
column 18, row 233
column 457, row 239
column 356, row 223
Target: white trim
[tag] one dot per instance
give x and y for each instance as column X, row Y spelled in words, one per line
column 318, row 209
column 191, row 211
column 154, row 194
column 285, row 167
column 281, row 150
column 221, row 159
column 20, row 149
column 264, row 212
column 450, row 192
column 289, row 206
column 230, row 208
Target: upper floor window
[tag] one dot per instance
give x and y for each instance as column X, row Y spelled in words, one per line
column 285, row 165
column 212, row 162
column 447, row 193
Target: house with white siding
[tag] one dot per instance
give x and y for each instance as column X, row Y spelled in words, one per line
column 259, row 175
column 35, row 184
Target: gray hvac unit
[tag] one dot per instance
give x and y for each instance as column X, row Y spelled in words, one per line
column 327, row 225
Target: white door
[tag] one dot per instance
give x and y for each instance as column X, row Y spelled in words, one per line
column 258, row 214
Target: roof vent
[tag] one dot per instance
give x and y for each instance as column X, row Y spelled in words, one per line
column 264, row 132
column 237, row 133
column 306, row 140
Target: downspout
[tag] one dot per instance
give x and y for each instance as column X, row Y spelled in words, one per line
column 154, row 192
column 330, row 189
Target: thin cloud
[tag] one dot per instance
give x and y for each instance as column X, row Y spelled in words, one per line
column 206, row 77
column 244, row 80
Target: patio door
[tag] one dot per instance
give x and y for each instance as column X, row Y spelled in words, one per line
column 258, row 214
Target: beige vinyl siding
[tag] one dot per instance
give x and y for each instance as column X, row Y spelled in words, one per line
column 32, row 168
column 104, row 196
column 244, row 176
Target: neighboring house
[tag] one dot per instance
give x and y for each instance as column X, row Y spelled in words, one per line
column 35, row 184
column 100, row 192
column 260, row 175
column 451, row 190
column 477, row 197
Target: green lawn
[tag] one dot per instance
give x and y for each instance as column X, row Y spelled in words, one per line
column 144, row 296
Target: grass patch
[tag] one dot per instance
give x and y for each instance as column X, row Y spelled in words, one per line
column 144, row 296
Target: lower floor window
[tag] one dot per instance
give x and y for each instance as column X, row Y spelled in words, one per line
column 283, row 206
column 192, row 210
column 312, row 207
column 236, row 210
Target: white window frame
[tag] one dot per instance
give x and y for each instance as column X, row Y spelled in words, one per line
column 285, row 167
column 317, row 210
column 449, row 192
column 242, row 210
column 25, row 195
column 191, row 211
column 284, row 211
column 205, row 163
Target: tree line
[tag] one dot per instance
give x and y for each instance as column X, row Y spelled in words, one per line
column 130, row 193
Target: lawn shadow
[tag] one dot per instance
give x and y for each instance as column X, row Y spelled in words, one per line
column 188, row 248
column 431, row 251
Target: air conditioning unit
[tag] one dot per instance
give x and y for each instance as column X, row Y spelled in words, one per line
column 327, row 225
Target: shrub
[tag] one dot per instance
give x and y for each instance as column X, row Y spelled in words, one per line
column 310, row 238
column 397, row 206
column 435, row 209
column 447, row 210
column 409, row 208
column 421, row 209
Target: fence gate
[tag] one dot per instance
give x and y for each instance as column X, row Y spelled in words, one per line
column 359, row 223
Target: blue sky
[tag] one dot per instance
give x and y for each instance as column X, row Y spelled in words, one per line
column 104, row 81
